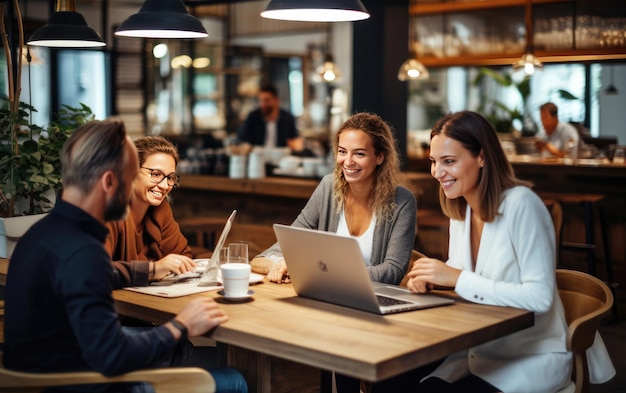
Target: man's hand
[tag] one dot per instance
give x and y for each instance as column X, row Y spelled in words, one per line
column 201, row 315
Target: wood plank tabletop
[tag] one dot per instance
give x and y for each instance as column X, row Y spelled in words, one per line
column 372, row 347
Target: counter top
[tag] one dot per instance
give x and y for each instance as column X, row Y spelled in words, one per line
column 290, row 187
column 604, row 163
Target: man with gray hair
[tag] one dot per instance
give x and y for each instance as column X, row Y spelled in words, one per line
column 59, row 311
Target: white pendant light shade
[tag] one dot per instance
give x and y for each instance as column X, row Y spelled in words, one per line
column 66, row 28
column 529, row 63
column 162, row 19
column 412, row 69
column 316, row 10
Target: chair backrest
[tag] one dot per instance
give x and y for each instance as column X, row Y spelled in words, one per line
column 587, row 301
column 162, row 380
column 203, row 232
column 414, row 255
column 556, row 213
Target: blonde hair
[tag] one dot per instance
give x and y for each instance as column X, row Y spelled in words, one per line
column 387, row 176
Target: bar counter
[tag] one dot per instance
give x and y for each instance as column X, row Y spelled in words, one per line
column 265, row 201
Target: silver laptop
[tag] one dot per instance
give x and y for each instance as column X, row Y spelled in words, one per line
column 328, row 267
column 208, row 279
column 207, row 275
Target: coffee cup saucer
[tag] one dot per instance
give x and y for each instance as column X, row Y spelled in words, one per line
column 236, row 298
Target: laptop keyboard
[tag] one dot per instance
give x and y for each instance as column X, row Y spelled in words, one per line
column 389, row 301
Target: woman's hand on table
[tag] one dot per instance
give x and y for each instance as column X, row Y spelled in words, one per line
column 173, row 263
column 278, row 273
column 429, row 272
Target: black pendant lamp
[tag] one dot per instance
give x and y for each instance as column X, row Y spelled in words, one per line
column 66, row 28
column 316, row 10
column 162, row 19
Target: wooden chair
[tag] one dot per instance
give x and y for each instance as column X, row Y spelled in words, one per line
column 587, row 301
column 163, row 380
column 556, row 213
column 414, row 255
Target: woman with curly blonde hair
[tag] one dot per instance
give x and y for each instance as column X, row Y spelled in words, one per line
column 365, row 197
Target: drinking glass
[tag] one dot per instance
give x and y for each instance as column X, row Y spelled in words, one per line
column 223, row 259
column 238, row 253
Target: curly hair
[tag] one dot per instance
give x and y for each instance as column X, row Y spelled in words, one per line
column 387, row 176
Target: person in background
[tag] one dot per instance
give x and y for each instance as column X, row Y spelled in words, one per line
column 147, row 245
column 59, row 309
column 502, row 252
column 269, row 125
column 554, row 136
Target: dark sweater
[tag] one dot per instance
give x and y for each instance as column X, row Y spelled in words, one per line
column 59, row 310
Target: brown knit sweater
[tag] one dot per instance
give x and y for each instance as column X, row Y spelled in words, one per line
column 132, row 245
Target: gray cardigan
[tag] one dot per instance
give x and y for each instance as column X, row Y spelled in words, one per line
column 393, row 239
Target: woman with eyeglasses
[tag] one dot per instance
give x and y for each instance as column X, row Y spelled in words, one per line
column 147, row 245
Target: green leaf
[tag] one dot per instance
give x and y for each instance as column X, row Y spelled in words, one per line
column 566, row 95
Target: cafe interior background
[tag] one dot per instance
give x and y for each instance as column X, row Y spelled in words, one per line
column 198, row 92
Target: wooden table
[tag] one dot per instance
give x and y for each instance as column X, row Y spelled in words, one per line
column 279, row 324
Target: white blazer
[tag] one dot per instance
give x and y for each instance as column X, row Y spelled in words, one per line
column 515, row 267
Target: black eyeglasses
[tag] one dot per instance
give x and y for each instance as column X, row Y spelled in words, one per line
column 156, row 177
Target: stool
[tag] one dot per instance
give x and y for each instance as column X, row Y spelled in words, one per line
column 587, row 202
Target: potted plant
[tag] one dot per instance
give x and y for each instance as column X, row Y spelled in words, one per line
column 30, row 162
column 30, row 158
column 30, row 167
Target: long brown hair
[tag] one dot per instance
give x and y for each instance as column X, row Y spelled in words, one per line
column 477, row 135
column 387, row 176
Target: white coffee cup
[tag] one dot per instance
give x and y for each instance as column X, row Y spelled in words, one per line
column 236, row 278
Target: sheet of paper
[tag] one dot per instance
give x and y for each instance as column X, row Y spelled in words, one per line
column 174, row 290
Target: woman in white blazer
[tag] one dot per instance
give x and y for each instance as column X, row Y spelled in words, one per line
column 502, row 252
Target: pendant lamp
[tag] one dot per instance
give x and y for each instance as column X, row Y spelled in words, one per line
column 316, row 10
column 162, row 19
column 66, row 28
column 328, row 72
column 412, row 69
column 529, row 62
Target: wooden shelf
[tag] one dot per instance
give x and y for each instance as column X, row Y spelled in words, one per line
column 439, row 8
column 502, row 59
